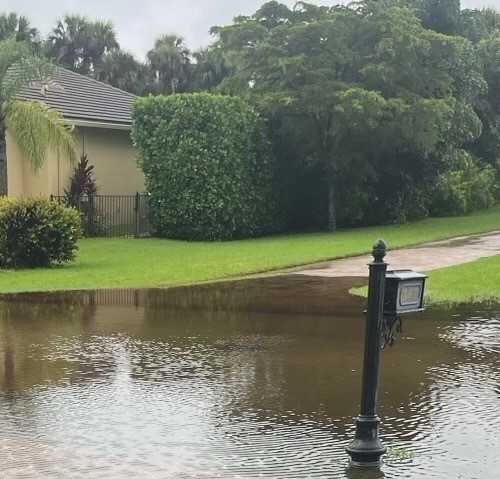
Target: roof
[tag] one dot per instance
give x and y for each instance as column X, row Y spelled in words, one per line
column 83, row 100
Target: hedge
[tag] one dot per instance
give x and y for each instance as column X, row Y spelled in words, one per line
column 208, row 166
column 36, row 232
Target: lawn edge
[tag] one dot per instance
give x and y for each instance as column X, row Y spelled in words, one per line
column 260, row 273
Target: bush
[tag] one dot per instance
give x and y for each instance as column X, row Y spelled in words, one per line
column 208, row 167
column 36, row 233
column 465, row 188
column 80, row 194
column 82, row 182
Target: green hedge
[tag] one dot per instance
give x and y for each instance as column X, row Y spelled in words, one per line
column 35, row 232
column 208, row 166
column 468, row 186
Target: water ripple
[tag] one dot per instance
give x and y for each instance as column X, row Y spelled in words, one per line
column 115, row 391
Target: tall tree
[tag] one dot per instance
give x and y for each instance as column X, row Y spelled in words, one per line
column 477, row 25
column 36, row 128
column 442, row 16
column 356, row 88
column 121, row 70
column 79, row 44
column 170, row 62
column 209, row 69
column 13, row 25
column 487, row 146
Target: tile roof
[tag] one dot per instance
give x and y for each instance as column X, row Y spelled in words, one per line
column 79, row 97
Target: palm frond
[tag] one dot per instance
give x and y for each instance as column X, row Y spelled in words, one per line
column 22, row 72
column 38, row 129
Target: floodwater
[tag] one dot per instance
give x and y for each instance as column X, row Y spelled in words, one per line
column 238, row 380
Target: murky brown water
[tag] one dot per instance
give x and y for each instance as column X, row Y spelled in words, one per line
column 153, row 384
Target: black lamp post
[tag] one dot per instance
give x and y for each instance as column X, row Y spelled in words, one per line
column 389, row 295
column 366, row 449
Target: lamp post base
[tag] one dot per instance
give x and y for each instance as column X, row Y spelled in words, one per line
column 366, row 449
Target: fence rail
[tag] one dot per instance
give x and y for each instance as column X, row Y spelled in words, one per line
column 111, row 215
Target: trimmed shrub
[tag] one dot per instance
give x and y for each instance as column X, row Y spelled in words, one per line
column 36, row 233
column 208, row 167
column 465, row 188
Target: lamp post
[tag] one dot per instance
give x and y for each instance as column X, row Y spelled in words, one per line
column 366, row 449
column 390, row 294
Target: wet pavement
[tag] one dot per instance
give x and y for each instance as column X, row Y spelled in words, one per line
column 428, row 257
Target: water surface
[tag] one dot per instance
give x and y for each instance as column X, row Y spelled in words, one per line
column 244, row 380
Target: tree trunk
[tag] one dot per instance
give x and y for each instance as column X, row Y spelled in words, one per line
column 3, row 160
column 332, row 213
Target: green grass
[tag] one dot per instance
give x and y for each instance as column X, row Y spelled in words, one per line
column 119, row 263
column 474, row 282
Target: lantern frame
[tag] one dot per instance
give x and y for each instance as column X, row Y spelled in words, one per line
column 404, row 292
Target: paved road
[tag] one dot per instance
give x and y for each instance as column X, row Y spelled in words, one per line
column 423, row 258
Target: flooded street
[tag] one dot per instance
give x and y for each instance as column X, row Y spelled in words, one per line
column 239, row 380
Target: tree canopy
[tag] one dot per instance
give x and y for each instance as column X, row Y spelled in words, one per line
column 17, row 26
column 169, row 61
column 357, row 89
column 372, row 107
column 79, row 44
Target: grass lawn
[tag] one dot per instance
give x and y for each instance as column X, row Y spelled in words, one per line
column 119, row 263
column 466, row 283
column 475, row 282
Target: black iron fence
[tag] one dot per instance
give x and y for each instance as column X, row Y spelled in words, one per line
column 112, row 215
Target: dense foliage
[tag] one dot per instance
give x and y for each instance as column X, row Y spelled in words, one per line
column 371, row 107
column 464, row 188
column 365, row 96
column 17, row 26
column 36, row 233
column 208, row 166
column 80, row 44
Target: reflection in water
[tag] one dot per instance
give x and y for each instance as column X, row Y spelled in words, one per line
column 159, row 384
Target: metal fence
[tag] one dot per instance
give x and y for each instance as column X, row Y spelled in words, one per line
column 112, row 215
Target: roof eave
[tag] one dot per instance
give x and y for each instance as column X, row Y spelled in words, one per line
column 99, row 124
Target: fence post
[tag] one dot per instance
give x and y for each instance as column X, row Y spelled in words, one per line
column 90, row 214
column 137, row 214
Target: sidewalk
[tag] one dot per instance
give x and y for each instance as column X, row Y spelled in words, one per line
column 427, row 257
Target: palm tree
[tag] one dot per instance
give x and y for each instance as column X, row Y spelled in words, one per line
column 121, row 70
column 80, row 44
column 36, row 128
column 170, row 61
column 209, row 70
column 102, row 40
column 12, row 25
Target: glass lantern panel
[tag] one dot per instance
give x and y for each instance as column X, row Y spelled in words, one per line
column 410, row 294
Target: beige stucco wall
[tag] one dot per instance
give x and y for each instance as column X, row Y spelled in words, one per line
column 110, row 151
column 21, row 180
column 15, row 175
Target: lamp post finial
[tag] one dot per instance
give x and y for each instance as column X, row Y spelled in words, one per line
column 379, row 250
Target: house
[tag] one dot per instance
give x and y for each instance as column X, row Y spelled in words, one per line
column 101, row 115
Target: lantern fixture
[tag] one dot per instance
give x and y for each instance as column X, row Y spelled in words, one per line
column 404, row 292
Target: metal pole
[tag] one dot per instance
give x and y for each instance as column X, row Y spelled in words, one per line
column 366, row 449
column 137, row 213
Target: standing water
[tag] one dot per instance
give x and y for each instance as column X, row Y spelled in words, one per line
column 246, row 380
